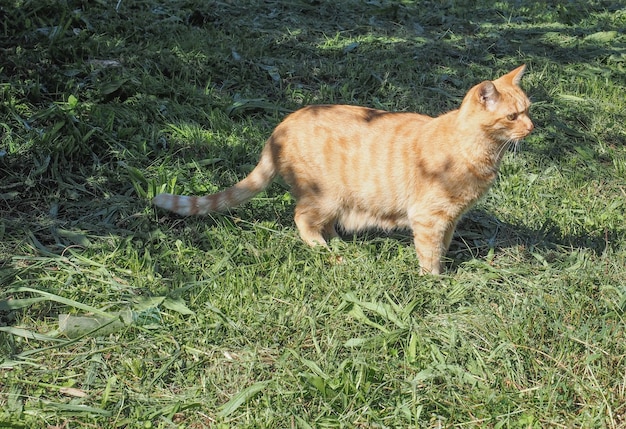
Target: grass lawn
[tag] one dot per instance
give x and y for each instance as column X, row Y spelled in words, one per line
column 114, row 315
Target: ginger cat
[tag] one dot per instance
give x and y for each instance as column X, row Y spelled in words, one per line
column 363, row 168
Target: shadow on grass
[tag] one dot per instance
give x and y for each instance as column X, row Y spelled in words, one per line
column 421, row 54
column 480, row 233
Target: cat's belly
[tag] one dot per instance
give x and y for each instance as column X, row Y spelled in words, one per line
column 354, row 219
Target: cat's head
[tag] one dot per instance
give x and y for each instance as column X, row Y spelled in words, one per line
column 500, row 107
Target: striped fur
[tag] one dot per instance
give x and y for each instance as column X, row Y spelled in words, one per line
column 365, row 168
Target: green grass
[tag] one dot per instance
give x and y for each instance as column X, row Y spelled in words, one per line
column 230, row 320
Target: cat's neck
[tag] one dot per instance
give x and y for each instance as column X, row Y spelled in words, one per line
column 480, row 150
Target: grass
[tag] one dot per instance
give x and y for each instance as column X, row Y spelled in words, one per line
column 113, row 315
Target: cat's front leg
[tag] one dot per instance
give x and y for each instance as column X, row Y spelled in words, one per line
column 431, row 238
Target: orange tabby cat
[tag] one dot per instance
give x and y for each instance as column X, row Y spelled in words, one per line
column 362, row 168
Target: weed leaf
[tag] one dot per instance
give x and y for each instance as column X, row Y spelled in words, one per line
column 25, row 333
column 241, row 398
column 74, row 237
column 601, row 36
column 177, row 305
column 75, row 408
column 16, row 304
column 61, row 300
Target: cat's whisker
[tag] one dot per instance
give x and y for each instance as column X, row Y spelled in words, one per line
column 505, row 146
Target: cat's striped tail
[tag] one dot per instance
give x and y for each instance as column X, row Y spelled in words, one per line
column 255, row 182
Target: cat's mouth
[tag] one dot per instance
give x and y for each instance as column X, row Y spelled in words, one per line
column 520, row 136
column 511, row 144
column 516, row 137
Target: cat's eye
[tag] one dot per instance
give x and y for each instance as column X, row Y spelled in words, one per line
column 512, row 116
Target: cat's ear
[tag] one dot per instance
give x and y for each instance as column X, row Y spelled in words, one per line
column 516, row 75
column 488, row 95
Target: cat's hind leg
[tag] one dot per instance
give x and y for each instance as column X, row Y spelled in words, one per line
column 310, row 225
column 329, row 230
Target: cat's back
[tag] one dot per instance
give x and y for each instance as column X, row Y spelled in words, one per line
column 345, row 126
column 344, row 138
column 349, row 115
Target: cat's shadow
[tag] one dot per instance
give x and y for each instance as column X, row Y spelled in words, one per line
column 481, row 235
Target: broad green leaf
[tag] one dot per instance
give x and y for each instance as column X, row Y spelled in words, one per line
column 75, row 408
column 319, row 383
column 241, row 398
column 25, row 333
column 111, row 87
column 72, row 101
column 219, row 312
column 10, row 364
column 177, row 305
column 77, row 326
column 74, row 237
column 574, row 98
column 356, row 342
column 388, row 337
column 384, row 310
column 16, row 304
column 61, row 300
column 146, row 303
column 302, row 423
column 601, row 36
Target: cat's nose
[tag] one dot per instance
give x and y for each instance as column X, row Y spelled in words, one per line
column 530, row 127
